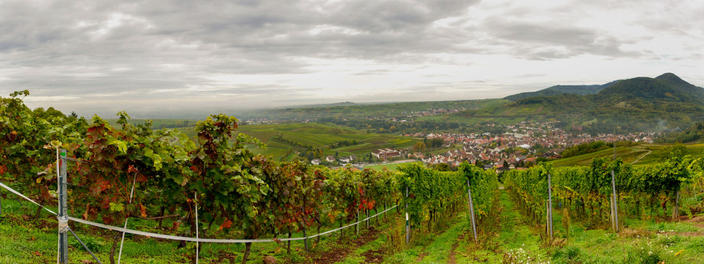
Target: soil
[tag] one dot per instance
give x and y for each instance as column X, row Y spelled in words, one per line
column 340, row 252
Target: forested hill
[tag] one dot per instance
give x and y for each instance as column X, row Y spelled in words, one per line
column 637, row 104
column 667, row 87
column 560, row 89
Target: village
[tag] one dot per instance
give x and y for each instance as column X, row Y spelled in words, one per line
column 521, row 145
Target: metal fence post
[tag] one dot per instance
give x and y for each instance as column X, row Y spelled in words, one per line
column 549, row 205
column 63, row 217
column 195, row 201
column 615, row 199
column 408, row 227
column 471, row 211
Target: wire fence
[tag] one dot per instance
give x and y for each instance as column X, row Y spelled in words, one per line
column 64, row 219
column 64, row 228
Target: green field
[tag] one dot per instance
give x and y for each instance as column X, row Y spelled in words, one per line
column 284, row 140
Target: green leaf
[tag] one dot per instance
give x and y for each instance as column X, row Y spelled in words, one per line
column 116, row 207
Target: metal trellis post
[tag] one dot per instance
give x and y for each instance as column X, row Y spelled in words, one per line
column 62, row 217
column 408, row 227
column 549, row 214
column 195, row 201
column 615, row 199
column 471, row 211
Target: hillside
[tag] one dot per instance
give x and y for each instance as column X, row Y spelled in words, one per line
column 666, row 87
column 638, row 154
column 285, row 140
column 353, row 111
column 694, row 133
column 639, row 104
column 560, row 89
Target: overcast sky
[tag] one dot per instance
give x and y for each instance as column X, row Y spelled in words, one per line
column 178, row 56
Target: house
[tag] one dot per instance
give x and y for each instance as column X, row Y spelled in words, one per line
column 315, row 162
column 330, row 159
column 386, row 153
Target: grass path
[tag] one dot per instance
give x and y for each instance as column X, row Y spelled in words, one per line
column 641, row 157
column 515, row 240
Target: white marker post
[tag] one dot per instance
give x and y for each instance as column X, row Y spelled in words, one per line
column 408, row 227
column 549, row 215
column 615, row 201
column 471, row 211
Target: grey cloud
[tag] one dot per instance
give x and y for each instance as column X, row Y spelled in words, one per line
column 125, row 51
column 552, row 40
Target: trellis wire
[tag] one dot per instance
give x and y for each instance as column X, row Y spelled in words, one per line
column 191, row 239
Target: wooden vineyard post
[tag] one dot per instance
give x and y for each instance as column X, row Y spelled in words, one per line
column 611, row 212
column 614, row 198
column 471, row 211
column 62, row 217
column 357, row 225
column 676, row 208
column 408, row 227
column 549, row 207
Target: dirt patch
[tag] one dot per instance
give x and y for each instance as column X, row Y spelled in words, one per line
column 339, row 253
column 373, row 256
column 224, row 255
column 635, row 233
column 687, row 234
column 451, row 258
column 697, row 220
column 422, row 255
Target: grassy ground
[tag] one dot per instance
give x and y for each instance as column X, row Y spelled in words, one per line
column 514, row 240
column 505, row 236
column 640, row 242
column 27, row 240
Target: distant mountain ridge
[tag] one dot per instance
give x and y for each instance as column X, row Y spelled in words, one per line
column 664, row 103
column 560, row 89
column 667, row 86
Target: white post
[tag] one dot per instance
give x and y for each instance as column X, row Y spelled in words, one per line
column 195, row 200
column 408, row 227
column 549, row 206
column 471, row 211
column 63, row 217
column 119, row 255
column 615, row 198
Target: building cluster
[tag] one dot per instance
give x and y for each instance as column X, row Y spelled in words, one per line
column 520, row 144
column 386, row 153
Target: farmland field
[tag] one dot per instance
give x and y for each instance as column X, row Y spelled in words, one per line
column 283, row 140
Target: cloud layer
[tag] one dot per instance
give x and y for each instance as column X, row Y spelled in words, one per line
column 196, row 57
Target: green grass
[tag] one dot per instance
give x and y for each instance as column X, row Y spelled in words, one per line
column 27, row 240
column 389, row 166
column 321, row 136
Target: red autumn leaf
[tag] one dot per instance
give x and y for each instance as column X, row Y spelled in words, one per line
column 175, row 226
column 141, row 178
column 132, row 169
column 226, row 224
column 85, row 214
column 142, row 210
column 37, row 253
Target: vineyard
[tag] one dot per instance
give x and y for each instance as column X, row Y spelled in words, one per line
column 158, row 185
column 118, row 173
